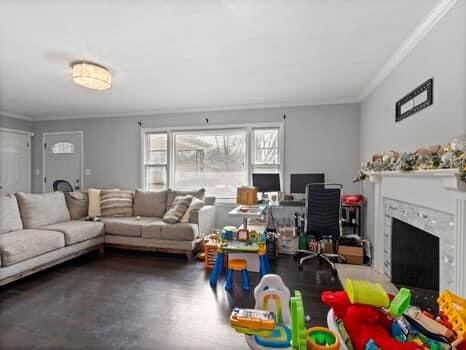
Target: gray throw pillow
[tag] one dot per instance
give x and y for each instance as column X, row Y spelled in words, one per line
column 78, row 204
column 179, row 207
column 171, row 194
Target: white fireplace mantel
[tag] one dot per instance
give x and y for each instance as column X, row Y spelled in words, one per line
column 439, row 191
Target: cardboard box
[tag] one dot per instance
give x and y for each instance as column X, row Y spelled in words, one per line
column 353, row 255
column 327, row 247
column 288, row 245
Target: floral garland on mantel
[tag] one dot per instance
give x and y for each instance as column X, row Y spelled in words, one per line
column 450, row 156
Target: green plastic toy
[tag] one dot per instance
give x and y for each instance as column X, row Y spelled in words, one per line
column 366, row 293
column 298, row 327
column 400, row 303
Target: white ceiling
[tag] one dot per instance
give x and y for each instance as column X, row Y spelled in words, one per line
column 176, row 55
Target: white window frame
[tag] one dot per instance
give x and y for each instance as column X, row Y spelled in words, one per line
column 249, row 128
column 143, row 157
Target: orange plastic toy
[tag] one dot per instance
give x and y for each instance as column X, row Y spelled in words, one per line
column 454, row 308
column 250, row 321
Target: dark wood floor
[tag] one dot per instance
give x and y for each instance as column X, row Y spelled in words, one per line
column 131, row 300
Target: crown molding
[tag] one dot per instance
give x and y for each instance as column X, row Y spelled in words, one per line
column 202, row 109
column 438, row 12
column 15, row 115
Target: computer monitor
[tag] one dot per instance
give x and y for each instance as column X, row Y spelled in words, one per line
column 266, row 182
column 298, row 182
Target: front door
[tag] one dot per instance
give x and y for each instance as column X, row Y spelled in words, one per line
column 15, row 162
column 63, row 159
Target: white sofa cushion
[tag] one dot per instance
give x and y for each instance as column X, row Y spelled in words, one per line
column 26, row 244
column 77, row 231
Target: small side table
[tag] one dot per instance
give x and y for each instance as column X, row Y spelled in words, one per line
column 247, row 211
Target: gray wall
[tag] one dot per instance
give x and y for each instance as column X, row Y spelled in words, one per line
column 441, row 55
column 14, row 123
column 317, row 139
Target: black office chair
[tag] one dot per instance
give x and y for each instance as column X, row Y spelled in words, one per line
column 62, row 186
column 322, row 220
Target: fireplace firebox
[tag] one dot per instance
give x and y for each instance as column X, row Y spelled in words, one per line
column 414, row 257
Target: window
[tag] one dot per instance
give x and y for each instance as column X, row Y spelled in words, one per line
column 155, row 161
column 63, row 148
column 220, row 160
column 266, row 157
column 215, row 160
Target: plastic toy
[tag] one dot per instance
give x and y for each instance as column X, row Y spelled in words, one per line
column 272, row 295
column 298, row 326
column 405, row 329
column 237, row 265
column 454, row 309
column 321, row 338
column 400, row 303
column 365, row 322
column 251, row 321
column 371, row 345
column 367, row 293
column 242, row 234
column 210, row 254
column 428, row 323
column 228, row 232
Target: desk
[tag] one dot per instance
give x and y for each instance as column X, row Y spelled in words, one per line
column 278, row 214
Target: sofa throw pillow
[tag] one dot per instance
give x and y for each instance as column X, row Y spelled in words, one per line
column 10, row 219
column 196, row 204
column 179, row 206
column 42, row 209
column 116, row 203
column 94, row 202
column 78, row 204
column 171, row 194
column 150, row 203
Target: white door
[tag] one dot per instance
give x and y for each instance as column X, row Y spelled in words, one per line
column 63, row 159
column 15, row 161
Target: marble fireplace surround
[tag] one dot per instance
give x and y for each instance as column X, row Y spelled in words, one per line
column 432, row 200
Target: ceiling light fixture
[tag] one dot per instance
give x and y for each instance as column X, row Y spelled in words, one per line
column 91, row 76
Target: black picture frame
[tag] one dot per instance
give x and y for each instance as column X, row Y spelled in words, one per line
column 408, row 105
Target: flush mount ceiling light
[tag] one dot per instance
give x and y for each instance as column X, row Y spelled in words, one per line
column 91, row 76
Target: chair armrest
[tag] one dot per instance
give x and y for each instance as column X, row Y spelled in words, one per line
column 204, row 218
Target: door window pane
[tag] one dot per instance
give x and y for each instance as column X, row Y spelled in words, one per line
column 63, row 148
column 215, row 160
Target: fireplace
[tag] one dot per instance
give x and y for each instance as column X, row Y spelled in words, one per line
column 422, row 209
column 414, row 257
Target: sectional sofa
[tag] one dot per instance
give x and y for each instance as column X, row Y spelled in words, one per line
column 41, row 230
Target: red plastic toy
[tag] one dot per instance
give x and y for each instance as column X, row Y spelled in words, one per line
column 364, row 322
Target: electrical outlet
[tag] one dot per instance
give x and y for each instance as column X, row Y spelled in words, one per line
column 87, row 172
